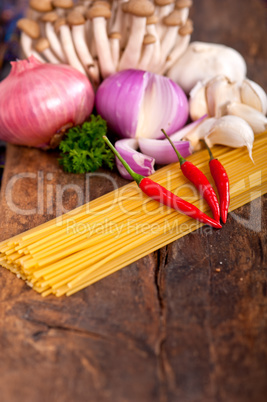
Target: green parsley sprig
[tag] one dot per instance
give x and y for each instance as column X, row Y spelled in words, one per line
column 84, row 149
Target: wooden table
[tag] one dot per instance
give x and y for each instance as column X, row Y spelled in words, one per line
column 185, row 324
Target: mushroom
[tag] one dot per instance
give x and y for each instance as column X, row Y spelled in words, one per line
column 172, row 22
column 115, row 38
column 80, row 8
column 62, row 6
column 77, row 22
column 38, row 7
column 151, row 23
column 183, row 7
column 182, row 42
column 98, row 14
column 148, row 49
column 30, row 31
column 67, row 44
column 139, row 10
column 55, row 45
column 162, row 9
column 43, row 46
column 116, row 20
column 202, row 61
column 126, row 24
column 104, row 3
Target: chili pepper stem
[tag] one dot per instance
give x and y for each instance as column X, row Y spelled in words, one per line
column 137, row 177
column 181, row 159
column 208, row 149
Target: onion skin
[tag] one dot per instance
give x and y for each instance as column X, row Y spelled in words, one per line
column 38, row 100
column 138, row 103
column 140, row 163
column 162, row 151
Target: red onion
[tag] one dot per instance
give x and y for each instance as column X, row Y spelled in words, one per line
column 141, row 164
column 38, row 100
column 138, row 103
column 162, row 151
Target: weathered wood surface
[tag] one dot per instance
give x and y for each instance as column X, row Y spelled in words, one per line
column 185, row 324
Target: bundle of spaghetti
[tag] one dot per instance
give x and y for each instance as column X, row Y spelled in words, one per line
column 95, row 240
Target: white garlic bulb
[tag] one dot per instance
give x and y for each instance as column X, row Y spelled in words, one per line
column 202, row 61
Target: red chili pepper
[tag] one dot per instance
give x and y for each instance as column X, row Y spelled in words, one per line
column 221, row 179
column 164, row 196
column 200, row 181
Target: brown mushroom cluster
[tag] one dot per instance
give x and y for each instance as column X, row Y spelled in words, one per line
column 100, row 37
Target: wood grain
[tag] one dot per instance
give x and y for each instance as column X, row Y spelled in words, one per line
column 185, row 324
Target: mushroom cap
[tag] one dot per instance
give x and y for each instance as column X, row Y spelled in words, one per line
column 149, row 39
column 98, row 10
column 115, row 35
column 43, row 6
column 187, row 28
column 63, row 3
column 124, row 6
column 29, row 27
column 59, row 22
column 173, row 19
column 102, row 2
column 80, row 8
column 183, row 4
column 152, row 19
column 140, row 8
column 162, row 3
column 75, row 18
column 49, row 17
column 41, row 45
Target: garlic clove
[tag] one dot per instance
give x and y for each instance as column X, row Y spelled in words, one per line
column 205, row 60
column 197, row 101
column 219, row 92
column 231, row 131
column 253, row 94
column 256, row 119
column 199, row 132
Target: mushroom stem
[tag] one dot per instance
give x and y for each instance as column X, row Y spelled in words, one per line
column 168, row 41
column 42, row 46
column 133, row 48
column 30, row 31
column 67, row 44
column 78, row 35
column 161, row 12
column 180, row 47
column 102, row 46
column 183, row 7
column 125, row 30
column 114, row 39
column 184, row 13
column 62, row 7
column 117, row 21
column 146, row 57
column 54, row 42
column 152, row 30
column 26, row 44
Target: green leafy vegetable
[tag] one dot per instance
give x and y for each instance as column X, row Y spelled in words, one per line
column 83, row 148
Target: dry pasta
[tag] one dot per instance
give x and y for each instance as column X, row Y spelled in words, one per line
column 91, row 242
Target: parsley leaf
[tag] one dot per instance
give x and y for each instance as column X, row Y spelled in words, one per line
column 83, row 148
